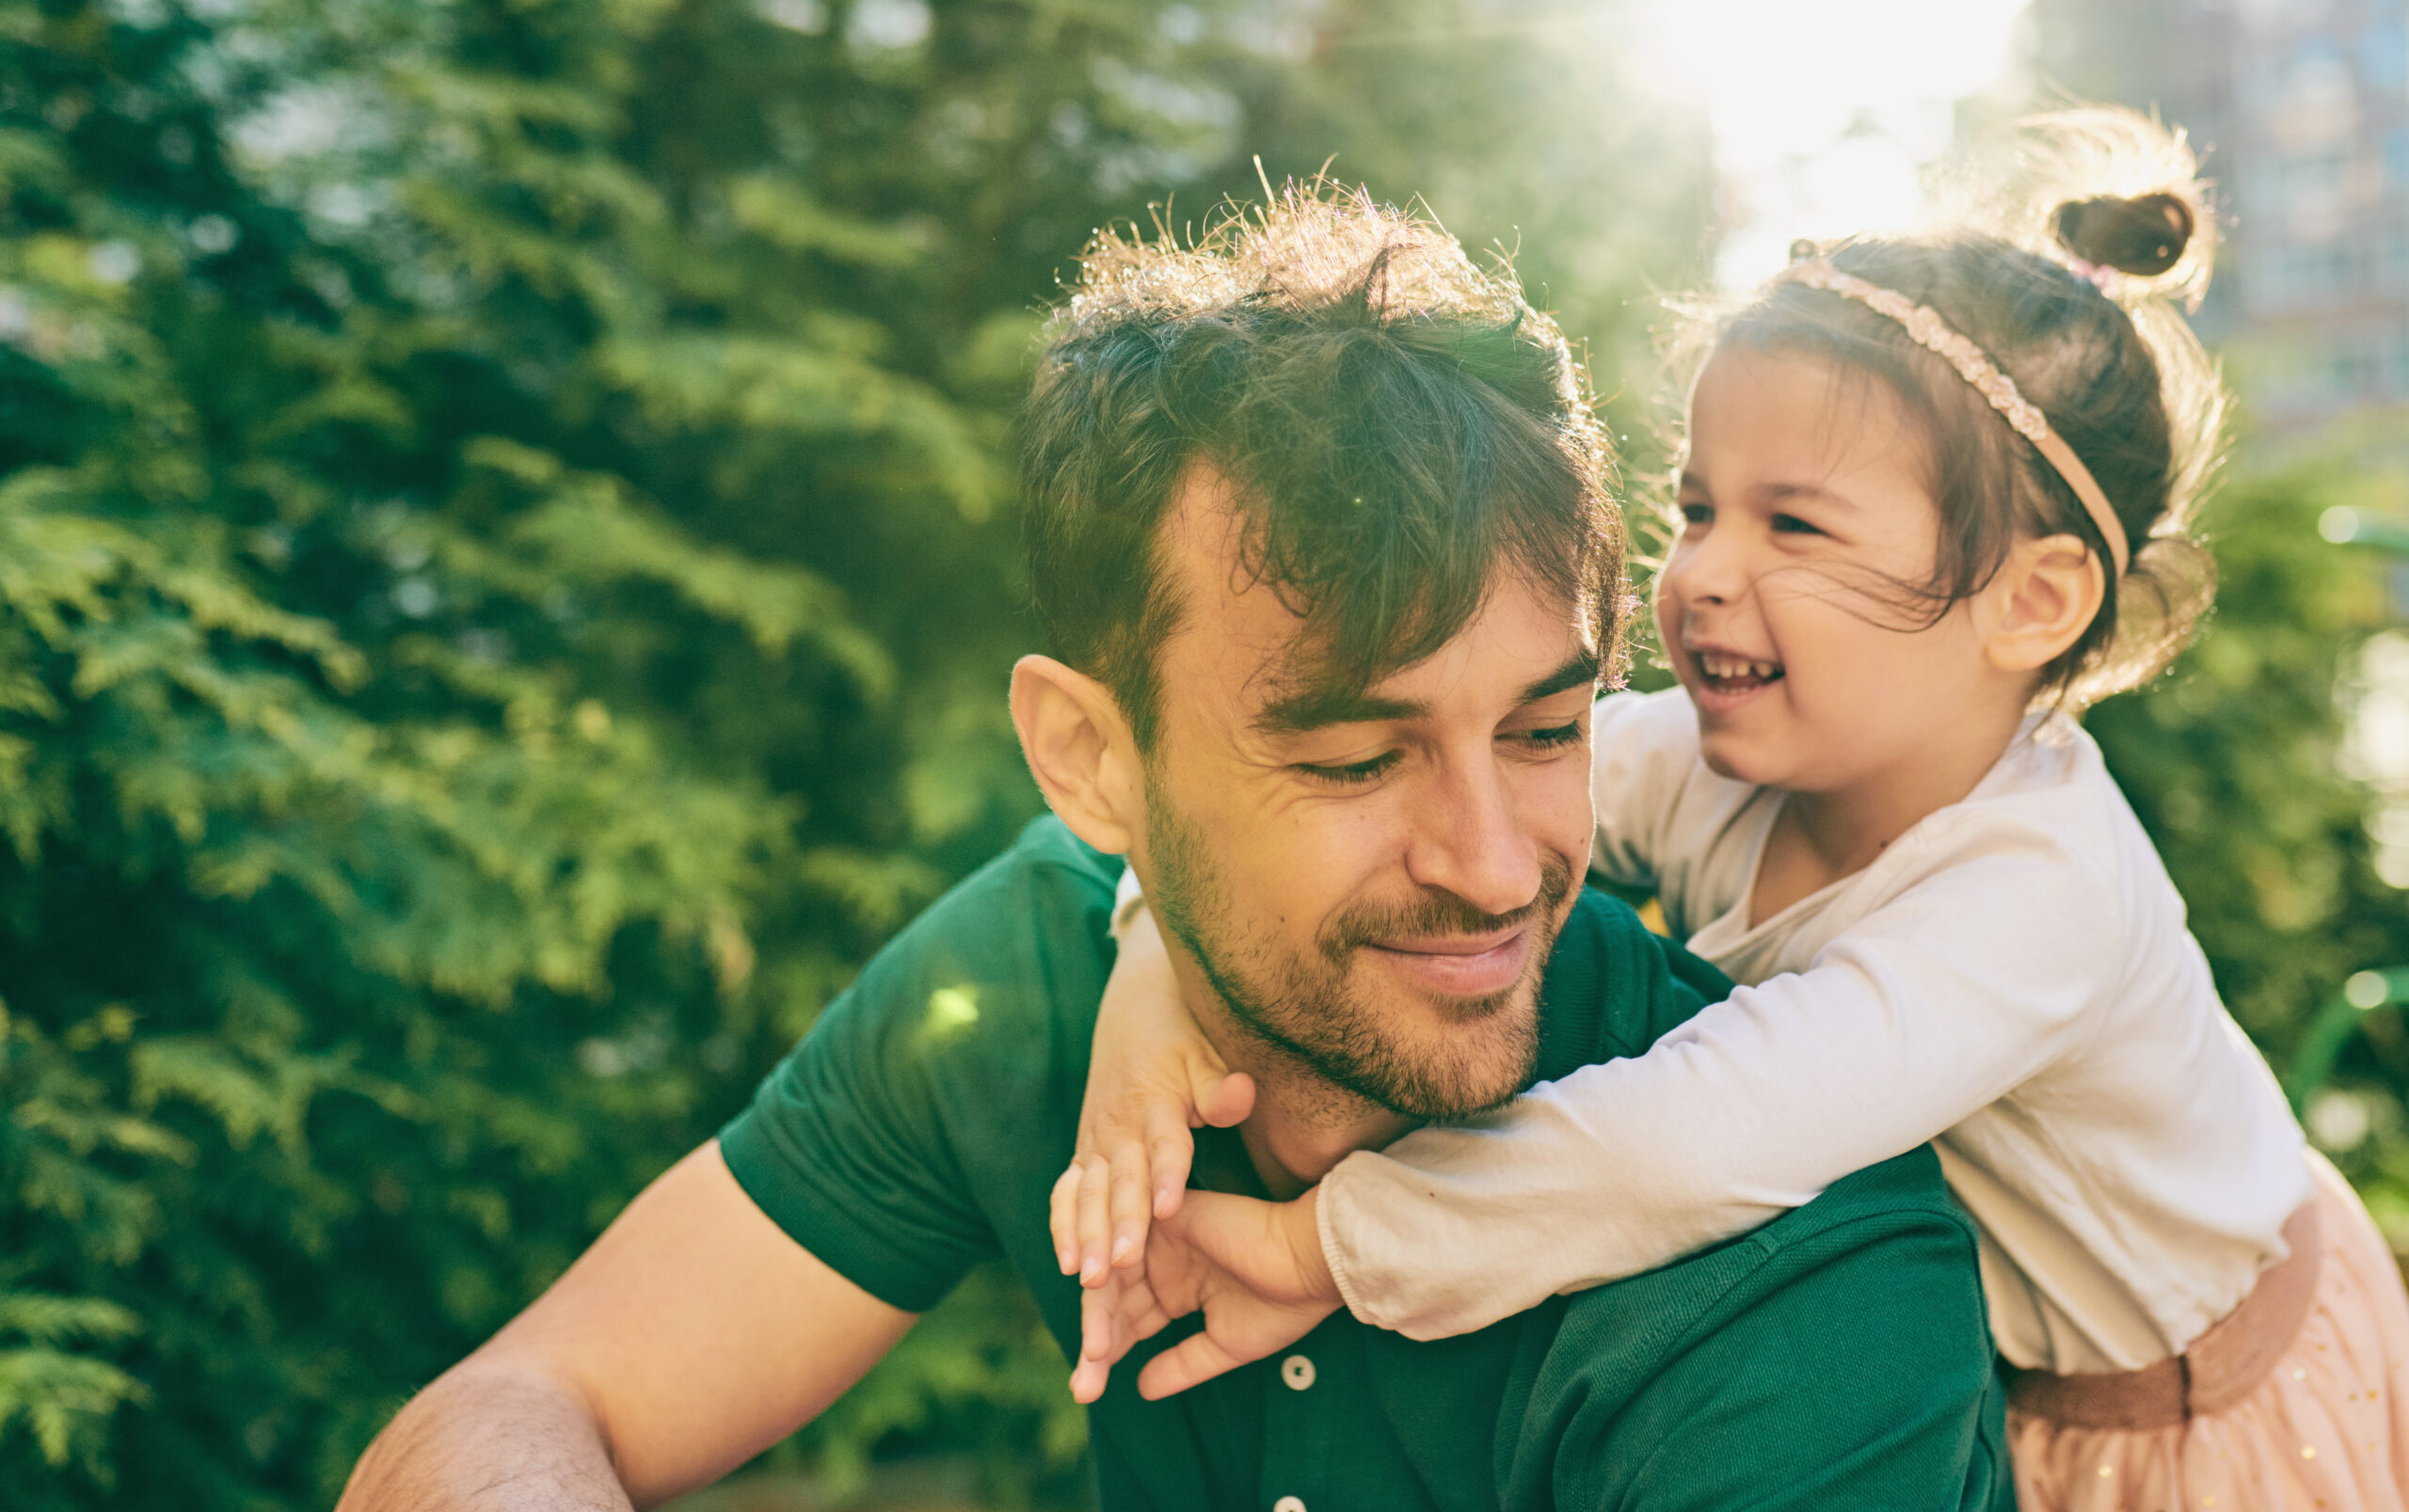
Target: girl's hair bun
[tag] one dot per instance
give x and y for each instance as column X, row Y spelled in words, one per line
column 2143, row 236
column 2109, row 188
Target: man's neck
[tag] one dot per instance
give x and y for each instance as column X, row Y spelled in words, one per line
column 1302, row 1124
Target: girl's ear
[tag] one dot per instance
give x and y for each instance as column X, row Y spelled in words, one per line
column 1081, row 750
column 2047, row 593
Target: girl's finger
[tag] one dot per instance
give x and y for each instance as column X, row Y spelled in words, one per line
column 1094, row 1222
column 1063, row 1219
column 1130, row 1207
column 1173, row 1150
column 1227, row 1100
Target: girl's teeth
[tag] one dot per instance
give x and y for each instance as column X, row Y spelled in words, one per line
column 1719, row 666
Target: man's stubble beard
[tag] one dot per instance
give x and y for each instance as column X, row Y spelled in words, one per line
column 1309, row 1012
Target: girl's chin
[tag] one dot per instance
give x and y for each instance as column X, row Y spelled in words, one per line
column 1743, row 758
column 1735, row 766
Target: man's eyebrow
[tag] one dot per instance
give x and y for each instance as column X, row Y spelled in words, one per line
column 1326, row 704
column 1317, row 707
column 1581, row 671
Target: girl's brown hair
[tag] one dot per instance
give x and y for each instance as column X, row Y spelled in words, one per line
column 2067, row 270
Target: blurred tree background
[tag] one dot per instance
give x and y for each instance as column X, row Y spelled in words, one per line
column 507, row 569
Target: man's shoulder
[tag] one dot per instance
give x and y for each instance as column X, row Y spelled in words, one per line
column 914, row 1131
column 1855, row 1319
column 1858, row 1222
column 1613, row 987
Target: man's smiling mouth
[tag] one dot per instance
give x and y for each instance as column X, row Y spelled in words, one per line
column 1462, row 965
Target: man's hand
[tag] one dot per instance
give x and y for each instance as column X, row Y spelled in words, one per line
column 1255, row 1268
column 1152, row 1078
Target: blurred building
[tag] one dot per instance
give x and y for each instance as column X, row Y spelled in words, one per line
column 2302, row 108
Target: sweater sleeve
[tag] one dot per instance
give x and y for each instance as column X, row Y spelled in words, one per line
column 1961, row 987
column 1642, row 748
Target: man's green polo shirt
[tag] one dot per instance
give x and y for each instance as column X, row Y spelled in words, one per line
column 1836, row 1358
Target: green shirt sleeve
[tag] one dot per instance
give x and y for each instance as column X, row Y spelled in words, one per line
column 909, row 1137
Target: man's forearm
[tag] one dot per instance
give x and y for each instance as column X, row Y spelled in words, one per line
column 488, row 1436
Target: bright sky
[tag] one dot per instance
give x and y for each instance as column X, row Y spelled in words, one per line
column 1825, row 110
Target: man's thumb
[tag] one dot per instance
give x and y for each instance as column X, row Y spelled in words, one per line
column 1237, row 1235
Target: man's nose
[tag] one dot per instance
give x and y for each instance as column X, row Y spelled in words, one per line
column 1470, row 840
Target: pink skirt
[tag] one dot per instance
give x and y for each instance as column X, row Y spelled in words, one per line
column 2327, row 1426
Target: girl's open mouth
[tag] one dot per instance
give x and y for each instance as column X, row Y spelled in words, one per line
column 1735, row 675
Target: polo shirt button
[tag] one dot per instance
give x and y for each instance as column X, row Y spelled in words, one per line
column 1289, row 1504
column 1298, row 1373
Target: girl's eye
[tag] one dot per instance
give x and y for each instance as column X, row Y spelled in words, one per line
column 1792, row 525
column 1699, row 514
column 1353, row 774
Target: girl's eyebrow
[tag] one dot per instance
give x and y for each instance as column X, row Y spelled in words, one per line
column 1781, row 492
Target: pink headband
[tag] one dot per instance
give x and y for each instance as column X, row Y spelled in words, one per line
column 1928, row 330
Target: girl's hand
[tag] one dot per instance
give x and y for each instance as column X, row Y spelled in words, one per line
column 1255, row 1268
column 1152, row 1078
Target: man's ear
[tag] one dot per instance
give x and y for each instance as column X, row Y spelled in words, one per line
column 1081, row 750
column 2047, row 593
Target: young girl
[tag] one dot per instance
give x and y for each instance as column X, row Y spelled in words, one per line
column 1935, row 495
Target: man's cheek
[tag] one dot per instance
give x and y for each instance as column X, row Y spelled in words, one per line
column 1557, row 810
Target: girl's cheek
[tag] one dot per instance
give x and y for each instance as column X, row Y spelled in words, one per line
column 1669, row 610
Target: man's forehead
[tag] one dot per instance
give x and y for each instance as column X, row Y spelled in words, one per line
column 1248, row 628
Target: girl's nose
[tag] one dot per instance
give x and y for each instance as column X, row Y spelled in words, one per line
column 1707, row 568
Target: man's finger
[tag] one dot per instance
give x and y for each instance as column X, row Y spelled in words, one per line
column 1096, row 1310
column 1088, row 1378
column 1140, row 1323
column 1188, row 1362
column 1130, row 1205
column 1063, row 1219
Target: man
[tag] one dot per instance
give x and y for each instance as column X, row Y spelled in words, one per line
column 1318, row 527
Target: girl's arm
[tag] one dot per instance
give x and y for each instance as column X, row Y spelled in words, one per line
column 1152, row 1078
column 1940, row 1002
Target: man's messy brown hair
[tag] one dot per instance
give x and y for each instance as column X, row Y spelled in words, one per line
column 1398, row 425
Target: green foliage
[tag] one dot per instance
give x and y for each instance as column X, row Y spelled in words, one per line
column 2233, row 763
column 506, row 584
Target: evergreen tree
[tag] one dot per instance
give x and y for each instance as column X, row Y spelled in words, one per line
column 506, row 575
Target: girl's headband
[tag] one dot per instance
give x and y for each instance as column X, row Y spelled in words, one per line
column 1928, row 330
